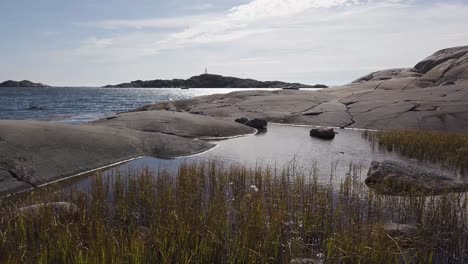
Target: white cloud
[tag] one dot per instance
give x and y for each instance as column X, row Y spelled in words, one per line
column 232, row 25
column 161, row 23
column 263, row 9
column 307, row 41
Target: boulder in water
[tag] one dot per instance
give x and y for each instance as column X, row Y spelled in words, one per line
column 323, row 133
column 257, row 123
column 242, row 120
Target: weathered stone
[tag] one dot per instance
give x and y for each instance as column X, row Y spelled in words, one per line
column 242, row 120
column 400, row 230
column 257, row 123
column 323, row 133
column 440, row 57
column 401, row 179
column 58, row 208
column 389, row 74
column 10, row 185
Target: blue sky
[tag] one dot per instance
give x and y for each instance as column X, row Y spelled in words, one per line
column 96, row 42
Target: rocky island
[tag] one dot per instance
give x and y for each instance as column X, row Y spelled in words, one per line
column 24, row 83
column 212, row 81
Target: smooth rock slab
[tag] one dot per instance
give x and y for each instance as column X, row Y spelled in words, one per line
column 176, row 123
column 35, row 153
column 409, row 98
column 401, row 179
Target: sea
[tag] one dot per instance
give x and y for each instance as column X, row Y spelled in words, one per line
column 76, row 105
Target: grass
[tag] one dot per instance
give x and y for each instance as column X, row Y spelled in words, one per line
column 449, row 149
column 208, row 213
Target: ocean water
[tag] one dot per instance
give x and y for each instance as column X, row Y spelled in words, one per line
column 77, row 105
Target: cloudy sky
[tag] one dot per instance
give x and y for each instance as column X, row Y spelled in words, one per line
column 96, row 42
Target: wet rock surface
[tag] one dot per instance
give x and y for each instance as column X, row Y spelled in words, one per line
column 432, row 95
column 404, row 179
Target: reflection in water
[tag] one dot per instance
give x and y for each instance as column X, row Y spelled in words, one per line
column 280, row 146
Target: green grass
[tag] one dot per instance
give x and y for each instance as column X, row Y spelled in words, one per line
column 449, row 149
column 207, row 213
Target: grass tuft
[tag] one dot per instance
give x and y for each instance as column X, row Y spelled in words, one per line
column 448, row 149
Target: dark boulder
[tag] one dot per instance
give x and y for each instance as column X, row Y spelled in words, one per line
column 400, row 179
column 323, row 133
column 257, row 123
column 242, row 120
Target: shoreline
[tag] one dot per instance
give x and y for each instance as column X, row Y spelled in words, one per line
column 425, row 97
column 64, row 155
column 129, row 160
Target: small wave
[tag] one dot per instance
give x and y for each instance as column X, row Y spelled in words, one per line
column 83, row 118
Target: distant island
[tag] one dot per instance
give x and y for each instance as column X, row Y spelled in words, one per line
column 212, row 81
column 24, row 83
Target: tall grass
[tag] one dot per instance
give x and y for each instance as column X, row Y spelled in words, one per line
column 207, row 213
column 449, row 149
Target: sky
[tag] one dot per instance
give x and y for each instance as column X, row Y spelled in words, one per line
column 98, row 42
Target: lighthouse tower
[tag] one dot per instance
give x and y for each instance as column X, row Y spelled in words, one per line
column 206, row 70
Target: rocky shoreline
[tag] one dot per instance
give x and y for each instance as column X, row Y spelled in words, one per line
column 432, row 96
column 36, row 153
